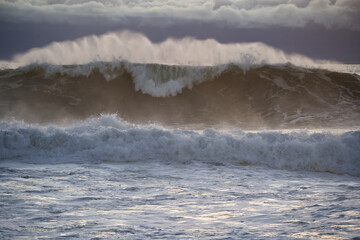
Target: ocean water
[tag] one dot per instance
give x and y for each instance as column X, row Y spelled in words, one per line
column 212, row 141
column 175, row 201
column 104, row 178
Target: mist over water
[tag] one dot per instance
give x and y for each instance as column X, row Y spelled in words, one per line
column 136, row 48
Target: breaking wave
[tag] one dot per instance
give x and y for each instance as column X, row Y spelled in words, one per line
column 154, row 79
column 137, row 48
column 178, row 82
column 108, row 139
column 270, row 96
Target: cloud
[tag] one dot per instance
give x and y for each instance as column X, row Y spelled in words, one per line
column 239, row 13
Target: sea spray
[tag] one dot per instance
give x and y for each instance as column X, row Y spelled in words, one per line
column 137, row 48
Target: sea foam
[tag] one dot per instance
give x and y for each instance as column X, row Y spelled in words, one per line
column 137, row 48
column 109, row 139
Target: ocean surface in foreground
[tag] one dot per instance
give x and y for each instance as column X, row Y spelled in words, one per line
column 104, row 178
column 181, row 201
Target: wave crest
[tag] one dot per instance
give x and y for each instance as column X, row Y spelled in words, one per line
column 136, row 48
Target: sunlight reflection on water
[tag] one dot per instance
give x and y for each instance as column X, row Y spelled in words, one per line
column 154, row 200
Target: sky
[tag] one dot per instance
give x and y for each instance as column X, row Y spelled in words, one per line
column 319, row 29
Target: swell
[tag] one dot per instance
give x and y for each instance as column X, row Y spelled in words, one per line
column 220, row 96
column 108, row 139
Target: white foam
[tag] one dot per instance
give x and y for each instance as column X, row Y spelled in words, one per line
column 136, row 48
column 188, row 61
column 162, row 81
column 154, row 79
column 109, row 139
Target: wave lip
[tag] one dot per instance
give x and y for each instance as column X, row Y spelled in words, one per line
column 112, row 140
column 137, row 48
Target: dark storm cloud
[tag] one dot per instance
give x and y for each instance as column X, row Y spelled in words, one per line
column 240, row 13
column 333, row 44
column 322, row 29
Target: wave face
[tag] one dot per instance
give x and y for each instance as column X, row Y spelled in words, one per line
column 107, row 139
column 282, row 96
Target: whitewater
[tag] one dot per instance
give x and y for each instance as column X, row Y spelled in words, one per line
column 117, row 137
